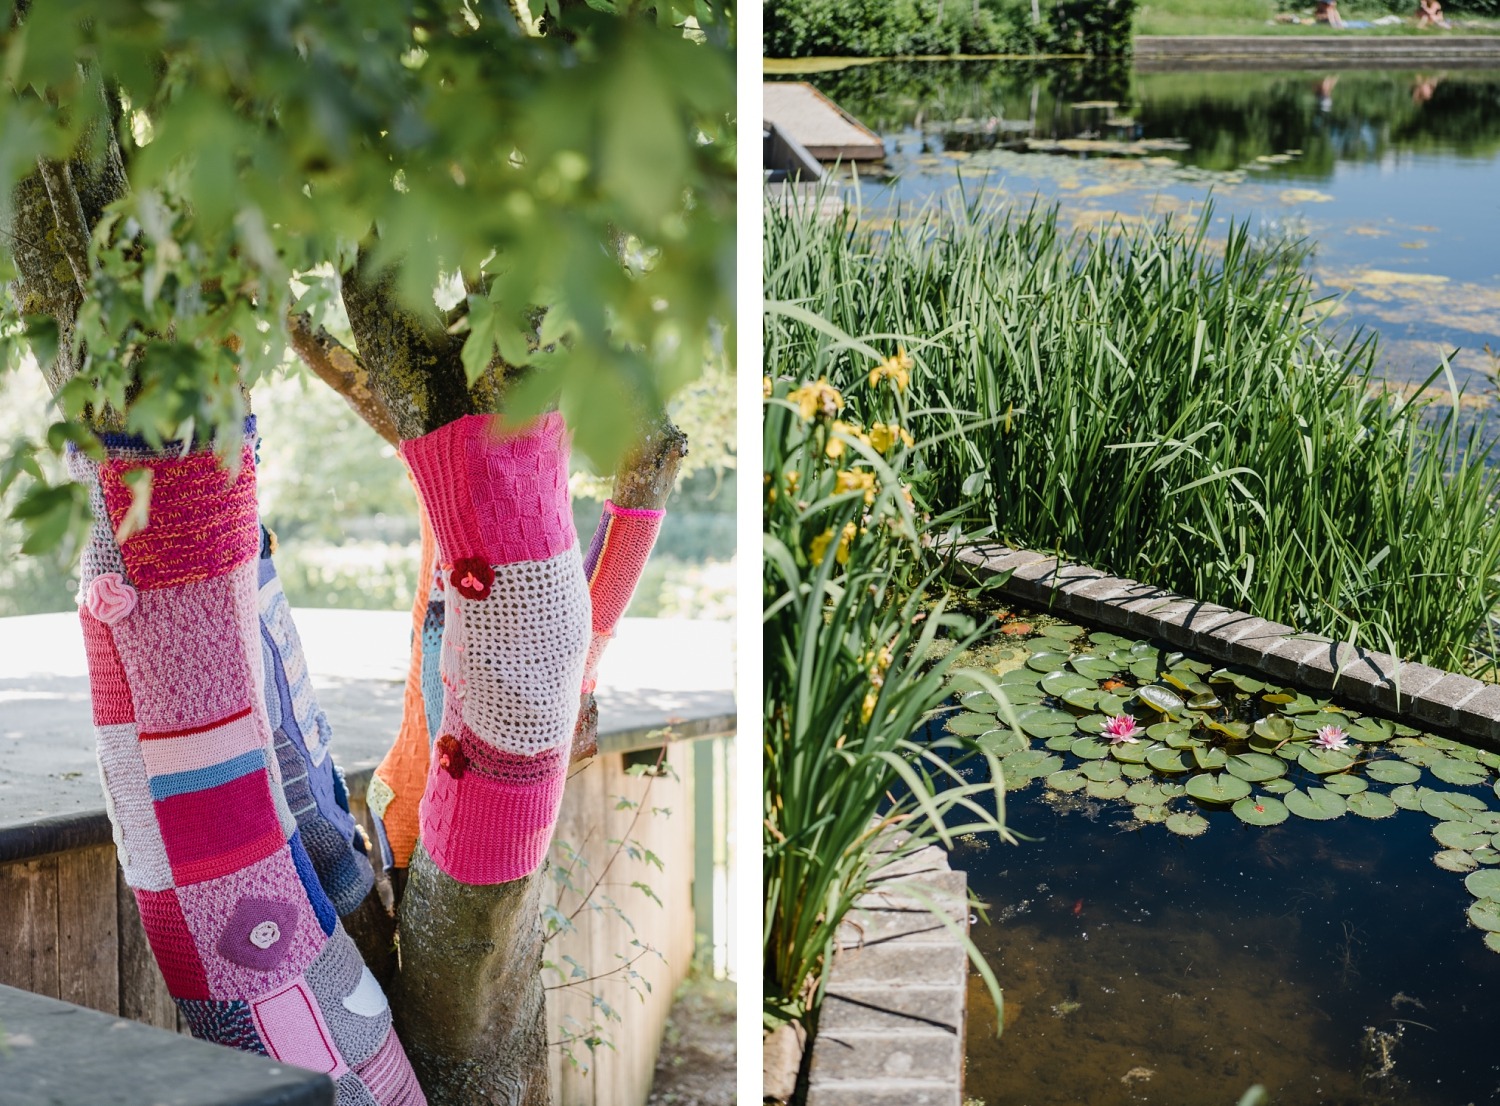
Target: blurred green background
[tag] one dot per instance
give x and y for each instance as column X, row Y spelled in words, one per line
column 345, row 514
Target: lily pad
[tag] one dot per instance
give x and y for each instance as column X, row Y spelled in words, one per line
column 1060, row 683
column 1370, row 731
column 1487, row 855
column 1242, row 680
column 1103, row 639
column 1406, row 797
column 1459, row 835
column 1129, row 752
column 1393, row 771
column 1460, row 773
column 1217, row 788
column 981, row 701
column 1298, row 703
column 1187, row 823
column 1485, row 913
column 1484, row 885
column 1160, row 699
column 1209, row 758
column 970, row 724
column 1045, row 721
column 1273, row 727
column 1235, row 731
column 1063, row 743
column 1455, row 860
column 1345, row 784
column 1090, row 748
column 1202, row 701
column 1002, row 743
column 1093, row 668
column 1085, row 698
column 1165, row 759
column 1371, row 804
column 1107, row 789
column 1445, row 805
column 1324, row 761
column 1183, row 739
column 1492, row 941
column 1046, row 661
column 1100, row 770
column 1110, row 704
column 1316, row 803
column 1255, row 767
column 1028, row 764
column 1260, row 810
column 1067, row 780
column 1150, row 813
column 1146, row 793
column 1062, row 631
column 1144, row 668
column 1135, row 771
column 1277, row 787
column 1021, row 677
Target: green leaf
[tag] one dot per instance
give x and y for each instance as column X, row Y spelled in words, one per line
column 1187, row 824
column 1484, row 885
column 1393, row 771
column 1221, row 788
column 1371, row 804
column 1260, row 811
column 1256, row 767
column 1316, row 803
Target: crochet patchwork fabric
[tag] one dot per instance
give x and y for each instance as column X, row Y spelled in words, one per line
column 516, row 630
column 247, row 939
column 311, row 782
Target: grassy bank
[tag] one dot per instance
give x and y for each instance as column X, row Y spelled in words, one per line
column 1256, row 17
column 1159, row 408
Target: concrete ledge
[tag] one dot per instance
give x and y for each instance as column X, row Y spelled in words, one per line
column 58, row 1054
column 1324, row 50
column 1440, row 702
column 891, row 1026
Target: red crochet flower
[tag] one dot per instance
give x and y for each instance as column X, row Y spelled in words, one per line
column 451, row 756
column 473, row 577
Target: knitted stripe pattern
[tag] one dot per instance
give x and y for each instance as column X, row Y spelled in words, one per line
column 515, row 639
column 230, row 900
column 396, row 788
column 616, row 558
column 301, row 736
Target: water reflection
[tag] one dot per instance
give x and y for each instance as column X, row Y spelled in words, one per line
column 1393, row 176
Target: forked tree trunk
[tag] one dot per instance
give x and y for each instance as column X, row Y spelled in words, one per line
column 467, row 999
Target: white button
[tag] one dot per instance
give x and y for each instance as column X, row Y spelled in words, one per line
column 265, row 935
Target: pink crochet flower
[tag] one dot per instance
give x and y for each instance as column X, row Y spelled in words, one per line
column 1121, row 729
column 1331, row 737
column 110, row 598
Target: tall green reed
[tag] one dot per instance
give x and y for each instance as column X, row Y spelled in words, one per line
column 1165, row 407
column 849, row 624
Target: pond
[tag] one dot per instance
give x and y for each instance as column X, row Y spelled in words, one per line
column 1218, row 899
column 1394, row 177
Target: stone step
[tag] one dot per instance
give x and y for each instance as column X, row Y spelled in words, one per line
column 901, row 1008
column 901, row 963
column 886, row 1092
column 844, row 1055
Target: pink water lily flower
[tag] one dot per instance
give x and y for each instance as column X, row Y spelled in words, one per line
column 1331, row 737
column 1121, row 729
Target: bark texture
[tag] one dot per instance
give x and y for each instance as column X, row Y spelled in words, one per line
column 468, row 999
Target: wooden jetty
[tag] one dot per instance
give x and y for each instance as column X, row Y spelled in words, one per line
column 821, row 127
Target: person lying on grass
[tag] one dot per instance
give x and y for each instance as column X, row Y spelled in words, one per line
column 1430, row 14
column 1328, row 12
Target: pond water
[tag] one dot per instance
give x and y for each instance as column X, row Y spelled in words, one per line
column 1219, row 902
column 1394, row 177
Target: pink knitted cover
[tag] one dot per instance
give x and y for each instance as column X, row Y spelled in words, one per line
column 514, row 642
column 616, row 558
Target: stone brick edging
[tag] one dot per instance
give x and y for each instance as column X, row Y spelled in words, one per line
column 1434, row 700
column 891, row 1028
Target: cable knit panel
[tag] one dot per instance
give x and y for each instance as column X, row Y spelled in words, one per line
column 517, row 621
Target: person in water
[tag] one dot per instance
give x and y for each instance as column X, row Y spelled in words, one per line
column 1430, row 14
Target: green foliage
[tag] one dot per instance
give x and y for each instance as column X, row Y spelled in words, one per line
column 264, row 143
column 888, row 28
column 848, row 681
column 1166, row 411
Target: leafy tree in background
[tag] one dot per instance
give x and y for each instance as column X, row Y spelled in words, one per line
column 516, row 212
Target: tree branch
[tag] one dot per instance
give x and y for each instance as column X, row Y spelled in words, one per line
column 643, row 481
column 337, row 366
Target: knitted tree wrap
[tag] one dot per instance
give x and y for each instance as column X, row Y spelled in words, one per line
column 616, row 558
column 232, row 906
column 515, row 638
